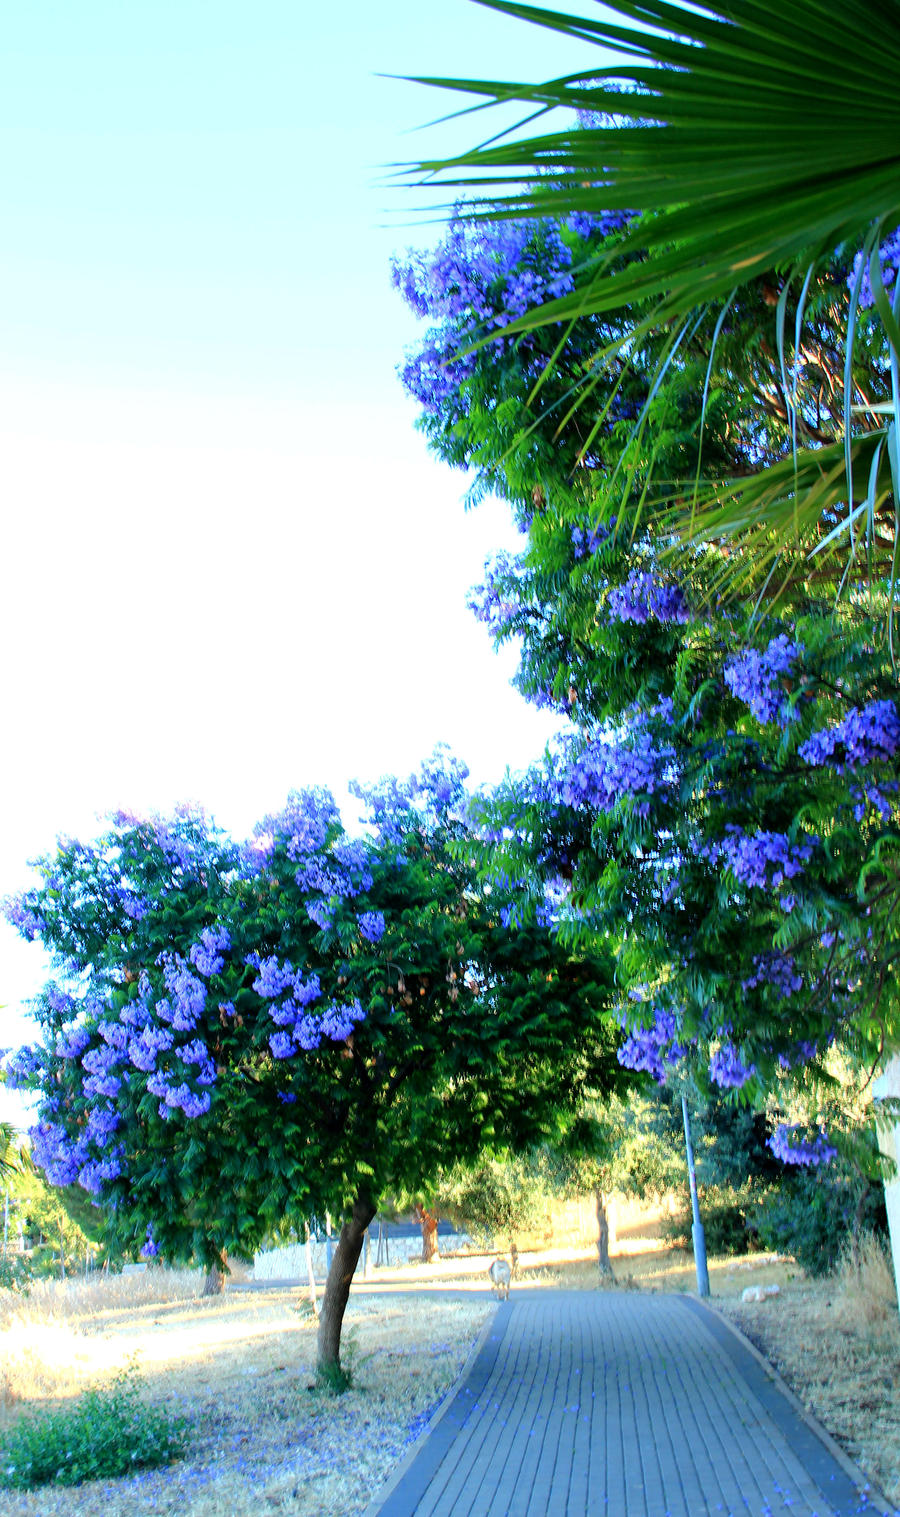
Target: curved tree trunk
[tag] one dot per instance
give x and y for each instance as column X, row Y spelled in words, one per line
column 428, row 1221
column 337, row 1290
column 602, row 1235
column 214, row 1284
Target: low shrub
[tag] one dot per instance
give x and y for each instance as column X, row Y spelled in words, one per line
column 16, row 1272
column 108, row 1433
column 728, row 1216
column 815, row 1214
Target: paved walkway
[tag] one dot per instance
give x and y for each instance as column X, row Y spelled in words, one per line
column 582, row 1403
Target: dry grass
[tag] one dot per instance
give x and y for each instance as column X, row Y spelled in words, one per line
column 240, row 1367
column 837, row 1344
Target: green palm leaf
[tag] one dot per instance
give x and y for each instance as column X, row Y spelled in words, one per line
column 748, row 138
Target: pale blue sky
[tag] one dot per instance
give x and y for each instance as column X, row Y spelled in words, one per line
column 229, row 565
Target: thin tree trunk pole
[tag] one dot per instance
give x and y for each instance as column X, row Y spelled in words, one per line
column 337, row 1291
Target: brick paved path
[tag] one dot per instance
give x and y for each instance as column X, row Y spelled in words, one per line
column 619, row 1405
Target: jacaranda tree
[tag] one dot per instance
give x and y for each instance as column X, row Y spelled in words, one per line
column 292, row 1027
column 722, row 804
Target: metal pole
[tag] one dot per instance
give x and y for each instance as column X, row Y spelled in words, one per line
column 327, row 1242
column 697, row 1228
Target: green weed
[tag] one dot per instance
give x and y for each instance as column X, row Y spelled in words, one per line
column 107, row 1433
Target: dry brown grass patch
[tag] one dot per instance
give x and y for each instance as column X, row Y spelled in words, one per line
column 240, row 1367
column 836, row 1341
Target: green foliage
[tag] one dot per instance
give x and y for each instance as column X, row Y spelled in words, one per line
column 16, row 1272
column 498, row 1199
column 108, row 1433
column 802, row 105
column 814, row 1216
column 729, row 1217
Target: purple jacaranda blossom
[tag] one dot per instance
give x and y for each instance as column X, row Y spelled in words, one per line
column 587, row 540
column 92, row 1175
column 186, row 1000
column 761, row 859
column 616, row 767
column 144, row 1050
column 864, row 736
column 208, row 955
column 776, row 969
column 492, row 601
column 102, row 1122
column 193, row 1103
column 320, row 913
column 282, row 1046
column 149, row 1247
column 54, row 1152
column 652, row 1048
column 803, row 1150
column 273, row 977
column 371, row 925
column 757, row 678
column 889, row 262
column 727, row 1069
column 72, row 1041
column 644, row 597
column 19, row 911
column 20, row 1066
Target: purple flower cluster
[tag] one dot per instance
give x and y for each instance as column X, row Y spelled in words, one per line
column 491, row 601
column 642, row 597
column 92, row 1174
column 866, row 736
column 652, row 1048
column 196, row 1052
column 889, row 261
column 134, row 906
column 320, row 913
column 586, row 541
column 21, row 1066
column 480, row 277
column 804, row 1151
column 727, row 1069
column 354, row 858
column 334, row 1024
column 309, row 816
column 20, row 913
column 183, row 1007
column 149, row 1248
column 756, row 678
column 761, row 859
column 102, row 1122
column 53, row 1152
column 71, row 1042
column 207, row 955
column 776, row 969
column 372, row 925
column 612, row 769
column 101, row 1063
column 181, row 1097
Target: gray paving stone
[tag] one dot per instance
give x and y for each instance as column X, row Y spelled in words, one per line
column 607, row 1404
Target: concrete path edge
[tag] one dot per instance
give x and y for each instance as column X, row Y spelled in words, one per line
column 860, row 1481
column 479, row 1347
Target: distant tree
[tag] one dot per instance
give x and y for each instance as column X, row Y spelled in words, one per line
column 294, row 1027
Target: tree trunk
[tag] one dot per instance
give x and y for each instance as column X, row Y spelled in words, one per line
column 602, row 1235
column 214, row 1284
column 337, row 1290
column 428, row 1221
